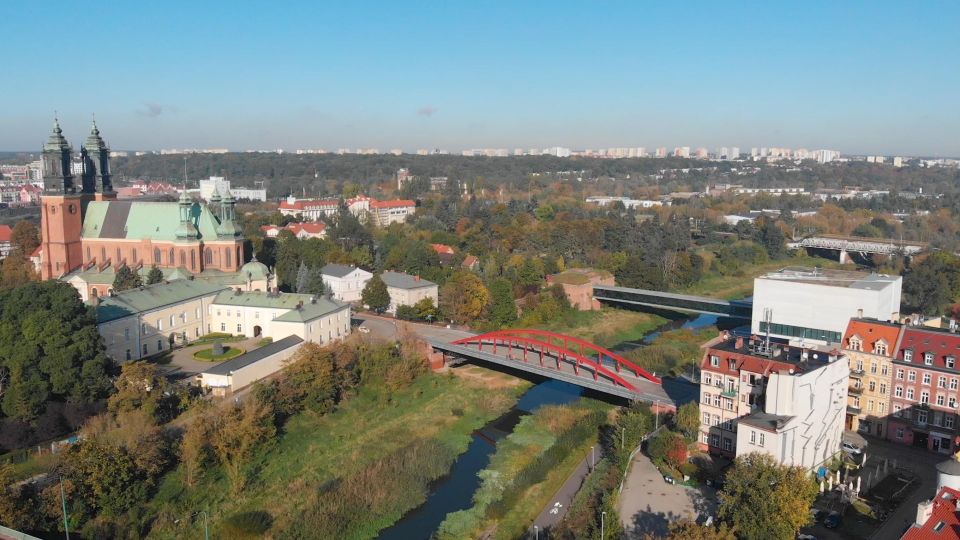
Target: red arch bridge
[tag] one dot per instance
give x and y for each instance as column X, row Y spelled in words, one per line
column 566, row 358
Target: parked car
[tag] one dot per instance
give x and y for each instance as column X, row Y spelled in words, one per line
column 364, row 329
column 817, row 515
column 850, row 448
column 806, row 537
column 833, row 520
column 669, row 479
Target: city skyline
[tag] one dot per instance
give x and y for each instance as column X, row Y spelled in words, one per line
column 493, row 75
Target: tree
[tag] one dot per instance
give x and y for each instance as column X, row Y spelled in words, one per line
column 765, row 500
column 464, row 298
column 126, row 279
column 771, row 237
column 16, row 272
column 933, row 283
column 686, row 529
column 375, row 295
column 25, row 238
column 303, row 275
column 154, row 276
column 196, row 452
column 244, row 429
column 140, row 387
column 315, row 284
column 503, row 311
column 688, row 420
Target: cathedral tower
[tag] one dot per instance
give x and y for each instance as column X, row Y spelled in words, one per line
column 96, row 167
column 60, row 218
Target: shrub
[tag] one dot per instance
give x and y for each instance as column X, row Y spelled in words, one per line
column 251, row 524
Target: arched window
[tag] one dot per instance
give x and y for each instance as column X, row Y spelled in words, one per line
column 170, row 259
column 227, row 264
column 94, row 292
column 193, row 260
column 88, row 253
column 156, row 255
column 208, row 256
column 183, row 258
column 103, row 254
column 239, row 256
column 134, row 261
column 119, row 258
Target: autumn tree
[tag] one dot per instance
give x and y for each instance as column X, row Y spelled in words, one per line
column 16, row 272
column 140, row 387
column 686, row 529
column 243, row 430
column 464, row 298
column 765, row 500
column 24, row 239
column 126, row 279
column 196, row 450
column 375, row 295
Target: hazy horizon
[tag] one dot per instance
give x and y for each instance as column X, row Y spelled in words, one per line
column 861, row 77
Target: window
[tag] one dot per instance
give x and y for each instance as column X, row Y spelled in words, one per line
column 94, row 292
column 925, row 397
column 732, row 365
column 921, row 416
column 706, row 398
column 884, row 369
column 869, row 405
column 704, row 438
column 193, row 260
column 715, row 361
column 196, row 332
column 706, row 376
column 183, row 316
column 952, row 402
column 900, row 433
column 953, row 384
column 907, row 355
column 256, row 315
column 208, row 256
column 159, row 324
column 928, row 358
column 727, row 403
column 143, row 328
column 883, row 389
column 898, row 391
column 950, row 361
column 170, row 261
column 728, row 444
column 912, row 376
column 159, row 345
column 856, row 402
column 145, row 349
column 940, row 400
column 228, row 258
column 753, row 437
column 926, row 379
column 715, row 420
column 135, row 255
column 716, row 400
column 173, row 321
column 761, row 439
column 900, row 374
column 128, row 354
column 896, row 409
column 910, row 394
column 859, row 365
column 941, row 382
column 126, row 334
column 948, row 421
column 156, row 255
column 880, row 348
column 881, row 406
column 872, row 386
column 103, row 254
column 239, row 328
column 706, row 419
column 198, row 314
column 223, row 327
column 873, row 367
column 715, row 441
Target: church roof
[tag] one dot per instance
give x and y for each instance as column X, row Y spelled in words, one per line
column 141, row 220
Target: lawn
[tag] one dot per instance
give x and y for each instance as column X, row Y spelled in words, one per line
column 673, row 351
column 734, row 287
column 606, row 327
column 314, row 451
column 228, row 353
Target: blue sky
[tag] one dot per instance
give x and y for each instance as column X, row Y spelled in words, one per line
column 860, row 77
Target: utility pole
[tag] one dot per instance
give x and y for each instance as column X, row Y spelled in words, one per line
column 623, row 435
column 602, row 516
column 656, row 425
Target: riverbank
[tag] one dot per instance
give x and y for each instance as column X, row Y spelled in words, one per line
column 431, row 420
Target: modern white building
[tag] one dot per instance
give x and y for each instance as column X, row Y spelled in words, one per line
column 788, row 402
column 309, row 208
column 220, row 185
column 407, row 290
column 813, row 306
column 346, row 282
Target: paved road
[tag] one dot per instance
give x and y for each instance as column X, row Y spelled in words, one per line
column 648, row 504
column 560, row 503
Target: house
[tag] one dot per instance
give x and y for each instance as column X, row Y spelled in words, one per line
column 6, row 241
column 870, row 347
column 312, row 209
column 346, row 282
column 407, row 290
column 761, row 396
column 149, row 320
column 248, row 368
column 471, row 262
column 444, row 252
column 578, row 285
column 926, row 383
column 381, row 213
column 299, row 230
column 277, row 315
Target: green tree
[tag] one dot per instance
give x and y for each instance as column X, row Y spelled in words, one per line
column 765, row 500
column 140, row 387
column 686, row 529
column 375, row 295
column 126, row 279
column 933, row 283
column 154, row 276
column 771, row 237
column 464, row 298
column 243, row 431
column 503, row 311
column 688, row 420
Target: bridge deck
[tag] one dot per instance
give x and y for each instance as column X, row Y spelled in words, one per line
column 673, row 301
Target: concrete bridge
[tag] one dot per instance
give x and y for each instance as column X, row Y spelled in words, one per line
column 864, row 246
column 625, row 296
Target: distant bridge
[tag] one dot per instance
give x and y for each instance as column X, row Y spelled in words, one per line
column 738, row 309
column 568, row 359
column 864, row 246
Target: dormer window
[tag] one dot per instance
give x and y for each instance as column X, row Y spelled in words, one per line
column 855, row 343
column 951, row 361
column 907, row 355
column 928, row 358
column 880, row 347
column 715, row 361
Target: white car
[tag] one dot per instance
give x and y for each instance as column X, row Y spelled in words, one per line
column 850, row 448
column 364, row 329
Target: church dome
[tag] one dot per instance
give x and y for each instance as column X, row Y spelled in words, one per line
column 254, row 270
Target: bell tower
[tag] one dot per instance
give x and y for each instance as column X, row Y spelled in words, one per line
column 96, row 167
column 61, row 220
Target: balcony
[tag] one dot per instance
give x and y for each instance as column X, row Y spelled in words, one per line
column 854, row 389
column 729, row 393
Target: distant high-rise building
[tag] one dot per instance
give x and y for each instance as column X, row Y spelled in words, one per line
column 701, row 153
column 898, row 161
column 734, row 153
column 681, row 151
column 661, row 152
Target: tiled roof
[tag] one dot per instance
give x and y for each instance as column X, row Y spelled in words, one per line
column 442, row 249
column 944, row 521
column 6, row 233
column 871, row 331
column 399, row 203
column 400, row 280
column 310, row 228
column 309, row 203
column 256, row 355
column 927, row 340
column 152, row 297
column 469, row 261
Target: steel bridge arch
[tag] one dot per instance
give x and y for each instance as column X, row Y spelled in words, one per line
column 544, row 338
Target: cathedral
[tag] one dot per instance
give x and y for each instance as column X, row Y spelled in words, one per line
column 87, row 234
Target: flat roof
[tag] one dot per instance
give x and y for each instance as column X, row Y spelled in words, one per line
column 832, row 278
column 764, row 420
column 256, row 355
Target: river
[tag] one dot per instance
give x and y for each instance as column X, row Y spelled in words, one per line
column 455, row 491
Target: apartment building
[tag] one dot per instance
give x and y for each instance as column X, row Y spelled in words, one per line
column 760, row 396
column 926, row 383
column 870, row 347
column 310, row 208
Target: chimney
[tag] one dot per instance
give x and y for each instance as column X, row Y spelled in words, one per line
column 739, row 343
column 860, row 313
column 924, row 511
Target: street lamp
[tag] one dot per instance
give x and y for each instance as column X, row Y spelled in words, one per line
column 593, row 456
column 63, row 502
column 656, row 425
column 602, row 516
column 536, row 532
column 623, row 435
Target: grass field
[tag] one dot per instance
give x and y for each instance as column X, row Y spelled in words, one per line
column 607, row 327
column 314, row 452
column 208, row 356
column 739, row 286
